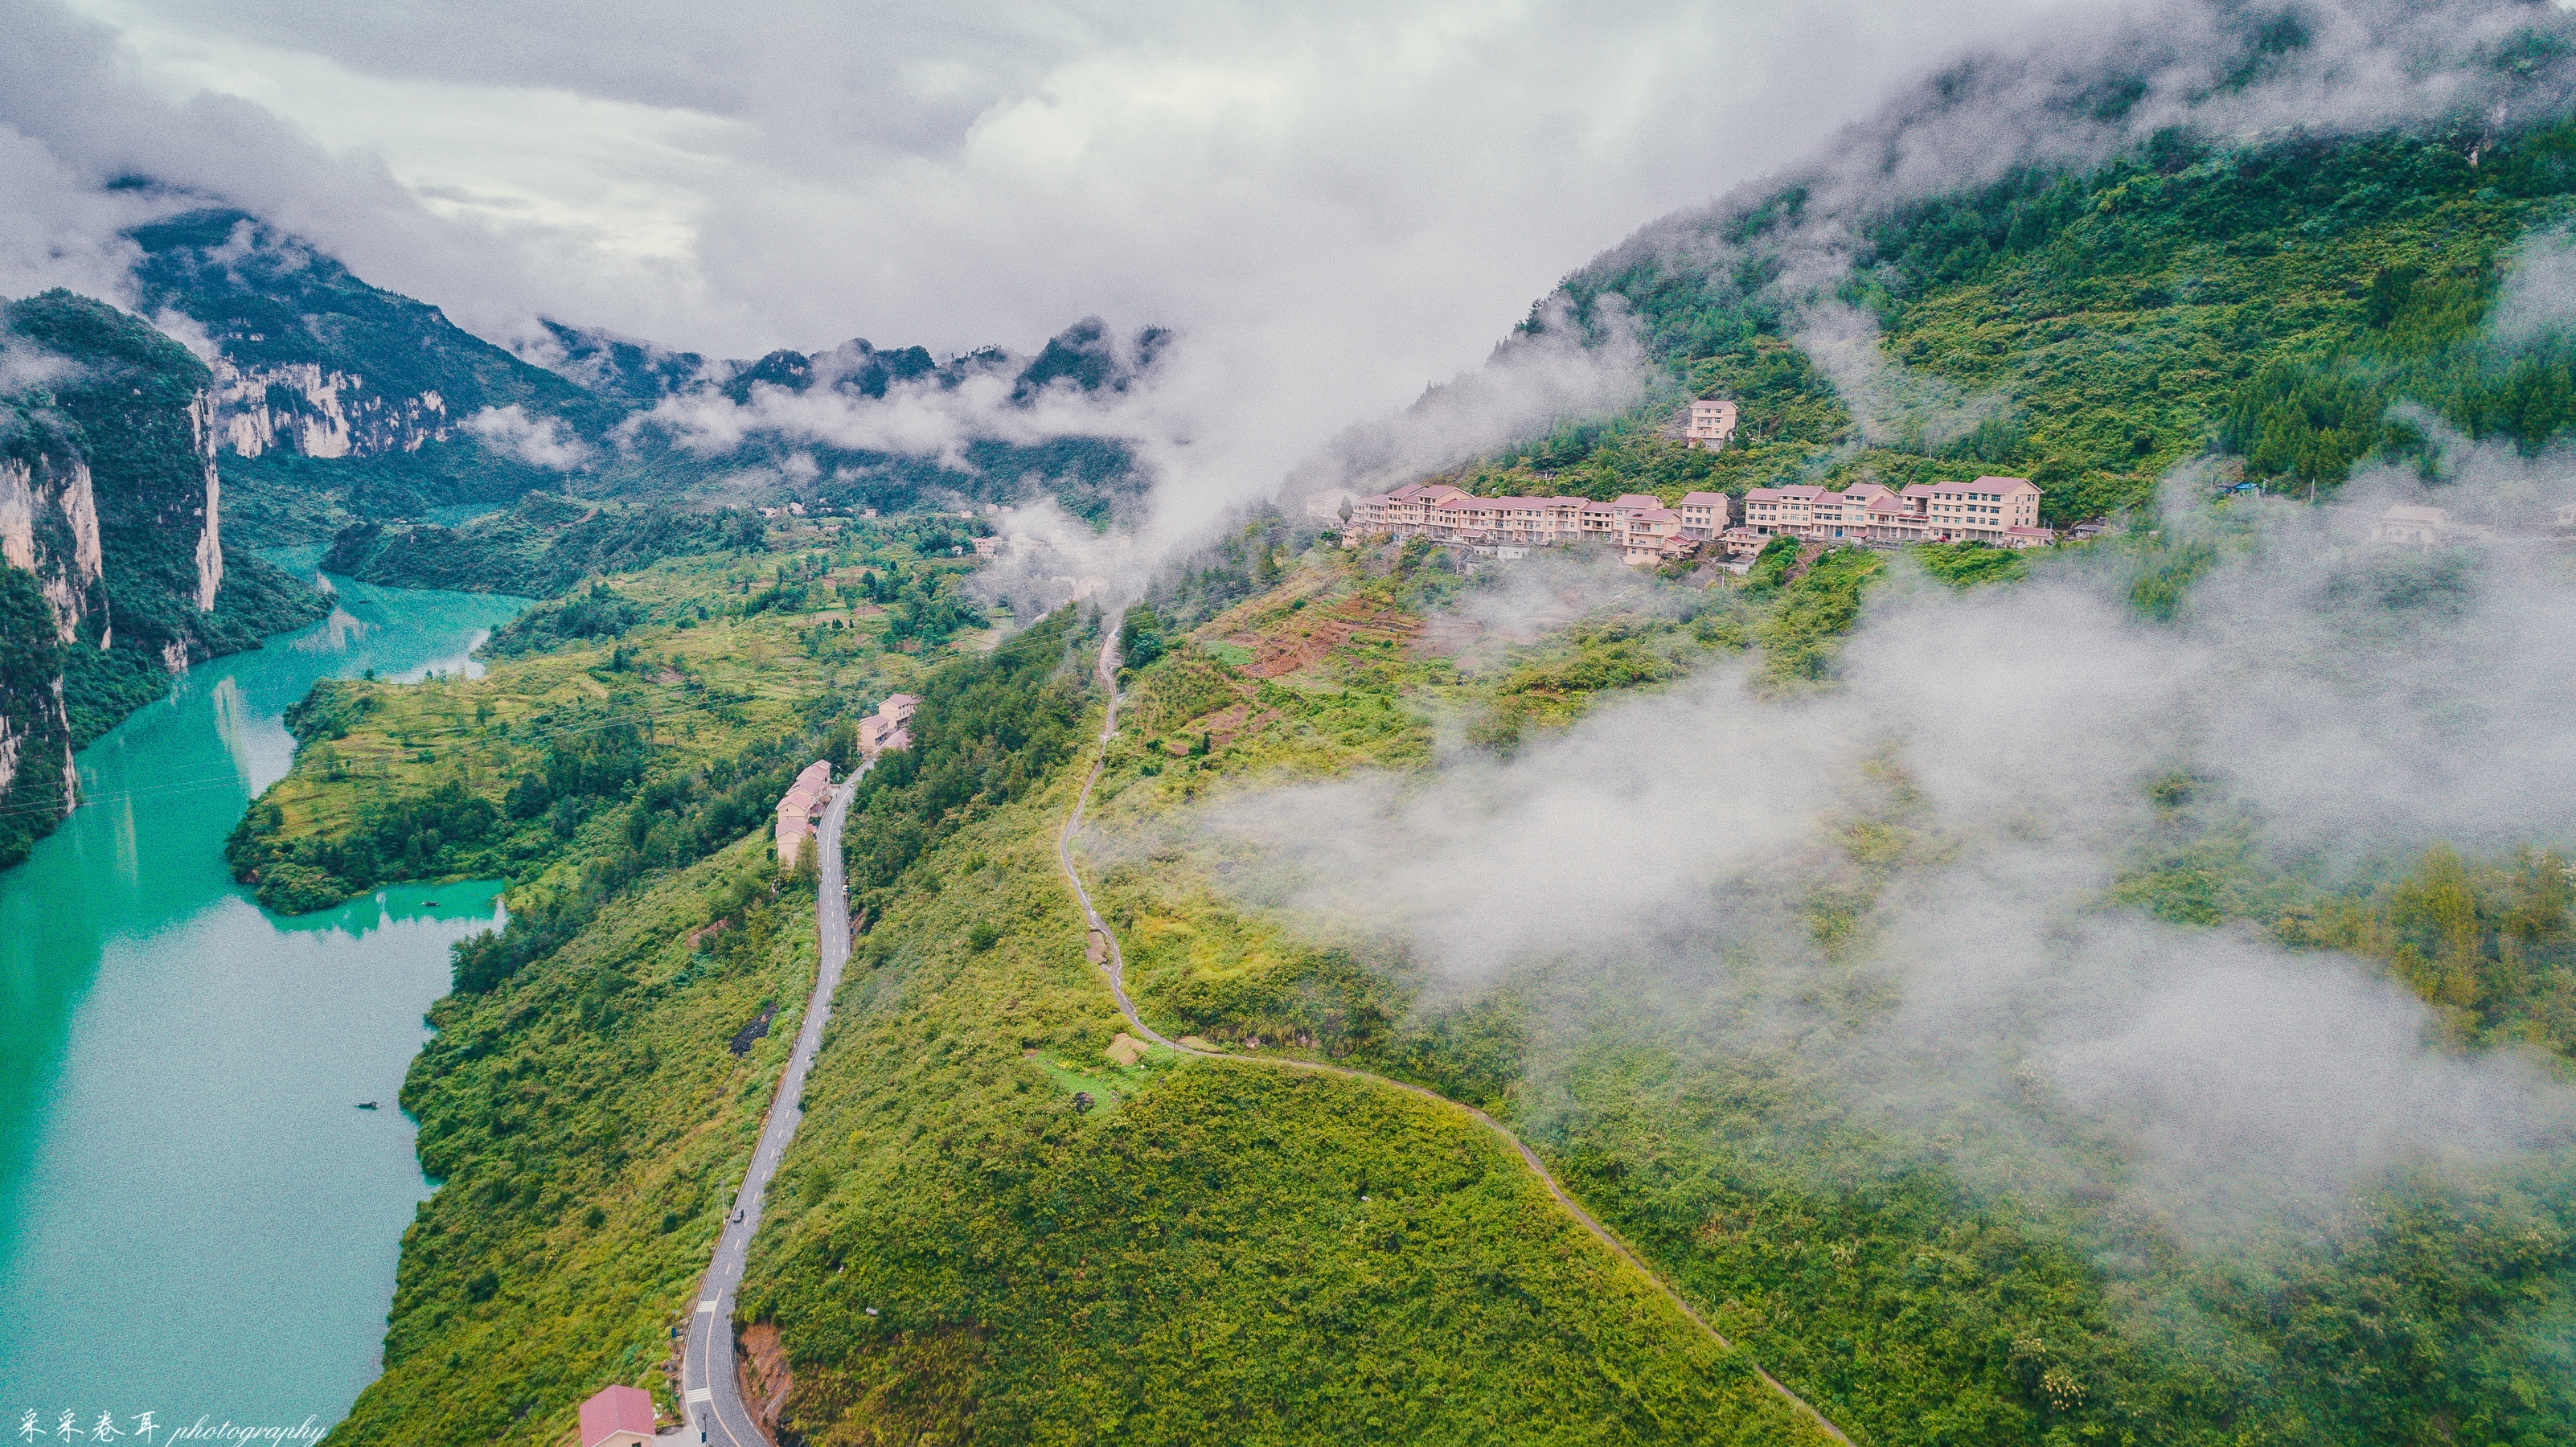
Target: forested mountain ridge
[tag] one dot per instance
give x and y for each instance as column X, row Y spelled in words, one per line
column 310, row 360
column 2272, row 301
column 344, row 402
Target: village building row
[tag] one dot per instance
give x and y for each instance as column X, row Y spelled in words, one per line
column 2003, row 511
column 800, row 809
column 1641, row 528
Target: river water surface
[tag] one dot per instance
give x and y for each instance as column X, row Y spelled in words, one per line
column 196, row 1220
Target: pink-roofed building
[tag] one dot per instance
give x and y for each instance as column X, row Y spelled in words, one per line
column 2003, row 511
column 1638, row 526
column 617, row 1417
column 1711, row 424
column 1742, row 543
column 1704, row 514
column 1405, row 511
column 1982, row 510
column 885, row 729
column 799, row 808
column 1893, row 521
column 1772, row 510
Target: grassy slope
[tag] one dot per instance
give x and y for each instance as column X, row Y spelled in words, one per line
column 1908, row 1307
column 1192, row 1257
column 587, row 1122
column 675, row 673
column 1193, row 1251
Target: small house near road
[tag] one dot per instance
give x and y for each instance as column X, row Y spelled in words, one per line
column 885, row 729
column 617, row 1417
column 801, row 809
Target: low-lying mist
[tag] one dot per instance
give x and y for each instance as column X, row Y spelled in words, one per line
column 1902, row 891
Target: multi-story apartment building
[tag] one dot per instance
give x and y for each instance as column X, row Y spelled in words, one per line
column 1641, row 528
column 887, row 728
column 1704, row 514
column 2003, row 511
column 1711, row 424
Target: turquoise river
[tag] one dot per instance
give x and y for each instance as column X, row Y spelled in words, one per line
column 196, row 1219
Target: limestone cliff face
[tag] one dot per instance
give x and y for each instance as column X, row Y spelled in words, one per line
column 210, row 538
column 307, row 408
column 307, row 359
column 112, row 567
column 49, row 584
column 49, row 528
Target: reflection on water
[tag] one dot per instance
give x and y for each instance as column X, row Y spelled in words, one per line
column 232, row 727
column 194, row 1217
column 335, row 634
column 408, row 904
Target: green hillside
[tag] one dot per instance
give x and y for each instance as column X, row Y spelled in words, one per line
column 2263, row 303
column 961, row 1248
column 269, row 299
column 1004, row 1221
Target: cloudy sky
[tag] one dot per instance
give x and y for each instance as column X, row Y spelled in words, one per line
column 1364, row 196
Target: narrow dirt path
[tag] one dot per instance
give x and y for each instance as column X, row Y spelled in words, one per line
column 1114, row 969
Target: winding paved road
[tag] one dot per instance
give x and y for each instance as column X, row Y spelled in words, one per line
column 711, row 1397
column 1114, row 968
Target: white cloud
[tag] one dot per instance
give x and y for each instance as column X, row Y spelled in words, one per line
column 539, row 441
column 1337, row 205
column 2343, row 704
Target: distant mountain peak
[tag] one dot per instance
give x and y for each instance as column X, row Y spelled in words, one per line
column 312, row 360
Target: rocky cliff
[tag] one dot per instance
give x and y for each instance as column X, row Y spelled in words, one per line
column 113, row 569
column 307, row 359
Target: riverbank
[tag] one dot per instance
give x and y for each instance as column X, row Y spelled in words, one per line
column 194, row 1215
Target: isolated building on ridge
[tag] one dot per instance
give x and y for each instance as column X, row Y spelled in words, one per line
column 1711, row 425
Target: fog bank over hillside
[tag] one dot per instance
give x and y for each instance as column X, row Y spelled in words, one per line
column 1798, row 246
column 2006, row 756
column 1296, row 206
column 1336, row 206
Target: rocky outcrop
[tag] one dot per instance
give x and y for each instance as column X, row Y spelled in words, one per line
column 307, row 408
column 112, row 567
column 36, row 774
column 210, row 538
column 49, row 529
column 308, row 360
